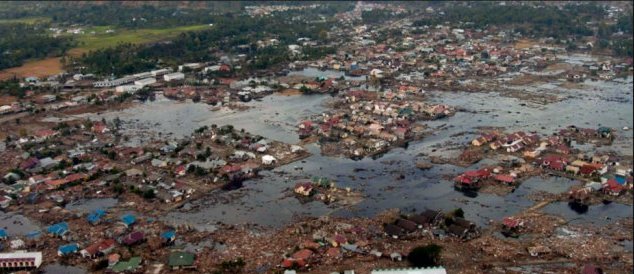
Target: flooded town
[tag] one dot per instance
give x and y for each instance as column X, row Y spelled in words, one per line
column 317, row 137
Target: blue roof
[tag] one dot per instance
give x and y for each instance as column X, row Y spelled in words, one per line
column 128, row 219
column 33, row 234
column 3, row 233
column 620, row 179
column 69, row 248
column 58, row 228
column 96, row 215
column 170, row 234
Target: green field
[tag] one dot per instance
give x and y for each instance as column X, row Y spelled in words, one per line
column 100, row 39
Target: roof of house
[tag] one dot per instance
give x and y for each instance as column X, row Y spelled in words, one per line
column 170, row 234
column 96, row 215
column 128, row 219
column 133, row 238
column 123, row 266
column 504, row 178
column 58, row 229
column 303, row 254
column 180, row 258
column 69, row 248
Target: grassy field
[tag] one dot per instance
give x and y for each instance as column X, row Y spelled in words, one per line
column 28, row 20
column 100, row 39
column 88, row 41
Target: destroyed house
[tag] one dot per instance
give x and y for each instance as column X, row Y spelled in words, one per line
column 464, row 223
column 458, row 231
column 407, row 225
column 393, row 231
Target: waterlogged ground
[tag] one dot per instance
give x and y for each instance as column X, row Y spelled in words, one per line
column 393, row 181
column 274, row 117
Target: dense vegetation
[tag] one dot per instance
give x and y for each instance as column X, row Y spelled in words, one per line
column 119, row 14
column 528, row 20
column 558, row 22
column 141, row 14
column 20, row 42
column 229, row 33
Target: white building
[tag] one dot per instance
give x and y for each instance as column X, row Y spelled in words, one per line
column 142, row 75
column 430, row 270
column 190, row 66
column 20, row 260
column 113, row 83
column 211, row 68
column 159, row 72
column 174, row 76
column 144, row 82
column 127, row 88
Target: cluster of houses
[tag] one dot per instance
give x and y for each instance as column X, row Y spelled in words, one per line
column 371, row 123
column 555, row 154
column 56, row 164
column 124, row 232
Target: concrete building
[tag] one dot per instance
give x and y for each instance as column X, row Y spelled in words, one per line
column 430, row 270
column 145, row 81
column 20, row 260
column 174, row 76
column 127, row 88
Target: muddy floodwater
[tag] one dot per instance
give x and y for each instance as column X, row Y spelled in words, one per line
column 274, row 117
column 63, row 269
column 16, row 224
column 90, row 205
column 392, row 181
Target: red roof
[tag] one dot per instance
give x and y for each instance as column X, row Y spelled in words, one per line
column 587, row 169
column 464, row 180
column 56, row 183
column 76, row 177
column 511, row 222
column 29, row 163
column 231, row 168
column 557, row 165
column 477, row 174
column 307, row 124
column 504, row 178
column 613, row 186
column 303, row 254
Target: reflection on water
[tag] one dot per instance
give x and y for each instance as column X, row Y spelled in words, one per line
column 391, row 181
